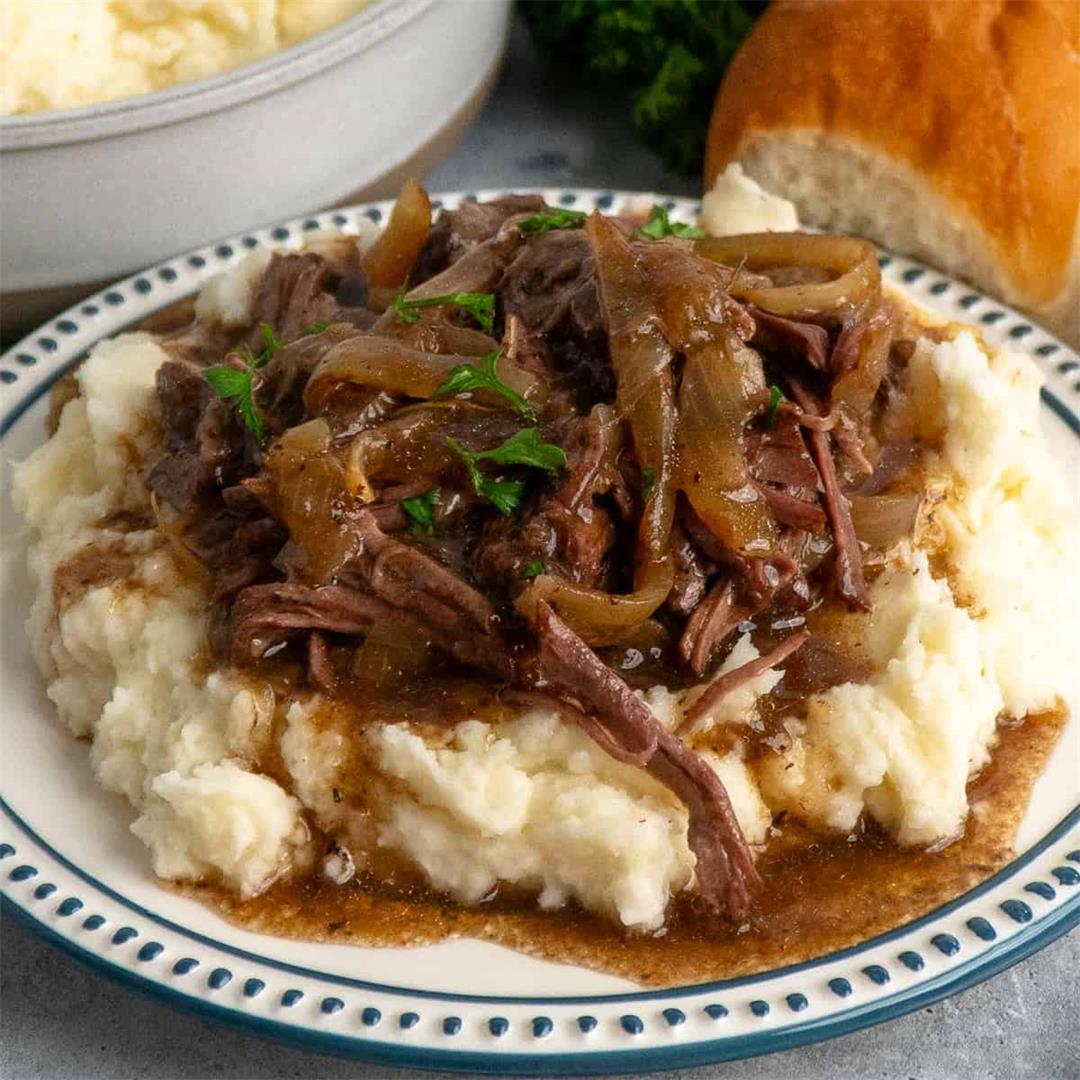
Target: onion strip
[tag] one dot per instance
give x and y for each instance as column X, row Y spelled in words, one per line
column 852, row 259
column 597, row 617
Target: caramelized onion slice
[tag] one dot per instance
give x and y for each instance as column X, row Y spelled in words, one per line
column 881, row 520
column 721, row 385
column 853, row 261
column 387, row 364
column 597, row 617
column 394, row 253
column 311, row 500
column 380, row 364
column 645, row 394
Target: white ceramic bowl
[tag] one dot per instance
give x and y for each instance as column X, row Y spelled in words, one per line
column 89, row 194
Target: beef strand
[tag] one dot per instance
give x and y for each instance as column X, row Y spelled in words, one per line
column 727, row 878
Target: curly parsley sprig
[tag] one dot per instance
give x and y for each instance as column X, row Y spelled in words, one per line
column 481, row 306
column 525, row 447
column 549, row 220
column 482, row 376
column 660, row 225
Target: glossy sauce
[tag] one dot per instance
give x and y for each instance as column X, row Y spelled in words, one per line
column 820, row 895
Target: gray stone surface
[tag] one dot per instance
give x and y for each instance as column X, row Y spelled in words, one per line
column 58, row 1020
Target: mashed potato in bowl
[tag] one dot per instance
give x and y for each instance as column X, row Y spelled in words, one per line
column 63, row 54
column 246, row 779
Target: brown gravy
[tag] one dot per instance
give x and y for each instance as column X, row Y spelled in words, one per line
column 820, row 895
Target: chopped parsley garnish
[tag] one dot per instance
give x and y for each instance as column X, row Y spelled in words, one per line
column 525, row 447
column 776, row 395
column 480, row 305
column 467, row 377
column 648, row 482
column 553, row 219
column 273, row 344
column 314, row 328
column 533, row 570
column 421, row 510
column 660, row 225
column 236, row 388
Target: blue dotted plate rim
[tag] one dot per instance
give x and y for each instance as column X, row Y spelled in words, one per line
column 42, row 357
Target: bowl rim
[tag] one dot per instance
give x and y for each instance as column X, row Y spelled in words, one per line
column 213, row 93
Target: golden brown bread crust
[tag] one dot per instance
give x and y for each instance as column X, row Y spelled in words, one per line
column 981, row 97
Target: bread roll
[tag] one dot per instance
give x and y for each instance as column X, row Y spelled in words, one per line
column 948, row 131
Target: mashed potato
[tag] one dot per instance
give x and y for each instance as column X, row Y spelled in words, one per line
column 531, row 800
column 60, row 54
column 121, row 657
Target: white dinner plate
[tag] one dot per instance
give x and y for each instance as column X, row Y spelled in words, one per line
column 70, row 866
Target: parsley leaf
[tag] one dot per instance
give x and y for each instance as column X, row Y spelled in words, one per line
column 776, row 395
column 273, row 344
column 648, row 482
column 467, row 377
column 236, row 388
column 421, row 509
column 533, row 570
column 553, row 219
column 481, row 306
column 660, row 225
column 504, row 495
column 523, row 448
column 314, row 328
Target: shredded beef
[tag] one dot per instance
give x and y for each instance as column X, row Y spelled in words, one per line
column 627, row 729
column 457, row 231
column 806, row 340
column 848, row 562
column 721, row 687
column 292, row 297
column 551, row 287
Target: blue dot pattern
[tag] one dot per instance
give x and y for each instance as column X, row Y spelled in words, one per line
column 586, row 1024
column 408, row 1020
column 253, row 987
column 451, row 1025
column 1017, row 910
column 631, row 1024
column 370, row 1017
column 185, row 965
column 1066, row 875
column 911, row 960
column 1041, row 888
column 716, row 1011
column 840, row 987
column 219, row 978
column 498, row 1026
column 125, row 933
column 674, row 1017
column 796, row 1002
column 542, row 1027
column 981, row 928
column 876, row 974
column 946, row 944
column 330, row 1005
column 759, row 1007
column 150, row 951
column 291, row 998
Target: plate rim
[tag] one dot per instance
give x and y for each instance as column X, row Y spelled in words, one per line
column 151, row 289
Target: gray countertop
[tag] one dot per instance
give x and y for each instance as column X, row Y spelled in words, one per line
column 58, row 1020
